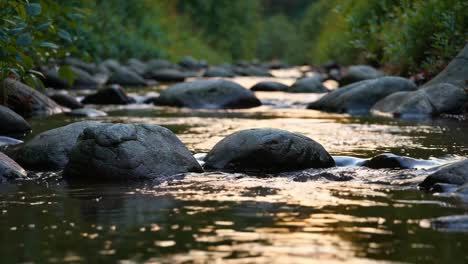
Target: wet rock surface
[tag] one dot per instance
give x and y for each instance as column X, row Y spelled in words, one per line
column 10, row 170
column 111, row 95
column 210, row 94
column 359, row 73
column 12, row 123
column 309, row 85
column 126, row 152
column 267, row 150
column 360, row 97
column 167, row 75
column 269, row 87
column 66, row 100
column 49, row 150
column 127, row 77
column 454, row 173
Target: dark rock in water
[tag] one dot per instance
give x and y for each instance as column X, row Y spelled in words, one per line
column 252, row 71
column 453, row 173
column 391, row 161
column 452, row 223
column 209, row 94
column 359, row 73
column 345, row 161
column 190, row 63
column 66, row 100
column 26, row 101
column 267, row 150
column 86, row 112
column 158, row 64
column 269, row 87
column 90, row 68
column 110, row 65
column 304, row 176
column 128, row 151
column 12, row 123
column 127, row 77
column 443, row 188
column 7, row 141
column 137, row 66
column 112, row 95
column 309, row 85
column 49, row 150
column 9, row 169
column 82, row 80
column 358, row 98
column 167, row 75
column 219, row 72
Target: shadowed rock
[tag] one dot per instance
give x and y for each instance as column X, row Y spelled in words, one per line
column 219, row 72
column 267, row 150
column 128, row 151
column 167, row 75
column 112, row 95
column 269, row 87
column 125, row 76
column 12, row 123
column 309, row 85
column 82, row 80
column 9, row 169
column 392, row 161
column 49, row 150
column 454, row 173
column 209, row 94
column 359, row 73
column 66, row 100
column 359, row 97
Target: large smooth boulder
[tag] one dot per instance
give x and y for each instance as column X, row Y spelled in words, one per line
column 309, row 85
column 453, row 173
column 208, row 94
column 111, row 95
column 267, row 150
column 127, row 77
column 9, row 169
column 167, row 75
column 66, row 100
column 444, row 94
column 359, row 97
column 217, row 71
column 359, row 73
column 12, row 123
column 129, row 151
column 49, row 150
column 269, row 87
column 26, row 101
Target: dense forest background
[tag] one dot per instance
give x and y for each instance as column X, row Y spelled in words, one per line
column 404, row 36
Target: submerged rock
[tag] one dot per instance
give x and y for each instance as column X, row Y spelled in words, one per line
column 128, row 151
column 360, row 97
column 269, row 87
column 127, row 77
column 453, row 173
column 359, row 73
column 12, row 123
column 49, row 150
column 267, row 150
column 210, row 94
column 66, row 100
column 309, row 85
column 86, row 112
column 111, row 95
column 26, row 101
column 9, row 169
column 392, row 161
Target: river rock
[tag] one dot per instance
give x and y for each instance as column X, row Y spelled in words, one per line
column 127, row 77
column 453, row 173
column 391, row 161
column 128, row 151
column 8, row 141
column 90, row 68
column 66, row 100
column 9, row 169
column 167, row 75
column 444, row 94
column 111, row 95
column 359, row 73
column 267, row 150
column 82, row 79
column 12, row 123
column 209, row 94
column 190, row 63
column 309, row 85
column 26, row 101
column 49, row 150
column 137, row 66
column 359, row 97
column 86, row 112
column 252, row 71
column 158, row 64
column 219, row 72
column 109, row 66
column 269, row 87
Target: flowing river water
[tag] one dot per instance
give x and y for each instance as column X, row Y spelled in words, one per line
column 366, row 216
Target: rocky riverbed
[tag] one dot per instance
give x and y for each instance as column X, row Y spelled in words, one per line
column 208, row 170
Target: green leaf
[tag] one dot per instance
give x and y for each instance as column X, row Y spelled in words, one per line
column 24, row 40
column 63, row 34
column 33, row 9
column 48, row 45
column 65, row 72
column 44, row 26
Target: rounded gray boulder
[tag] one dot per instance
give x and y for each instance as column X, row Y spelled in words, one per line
column 12, row 123
column 129, row 151
column 267, row 150
column 208, row 94
column 453, row 173
column 309, row 85
column 9, row 169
